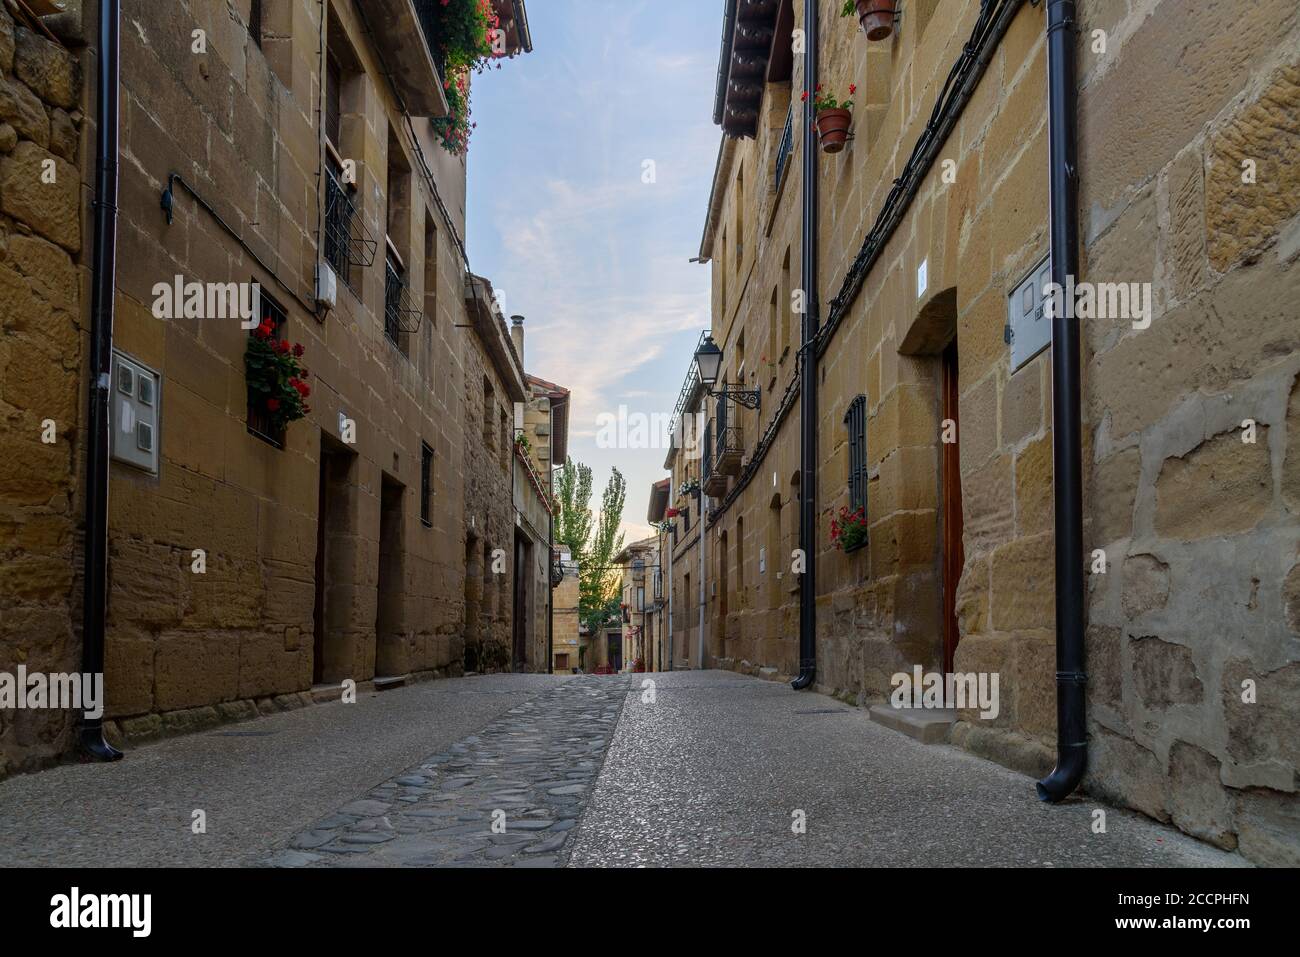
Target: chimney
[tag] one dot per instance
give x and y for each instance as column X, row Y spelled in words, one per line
column 517, row 336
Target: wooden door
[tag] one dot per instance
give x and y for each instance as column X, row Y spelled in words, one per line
column 954, row 556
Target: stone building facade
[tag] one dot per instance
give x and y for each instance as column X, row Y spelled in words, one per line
column 534, row 511
column 568, row 651
column 639, row 564
column 253, row 569
column 940, row 428
column 42, row 277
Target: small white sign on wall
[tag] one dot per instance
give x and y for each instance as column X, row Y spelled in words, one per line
column 922, row 278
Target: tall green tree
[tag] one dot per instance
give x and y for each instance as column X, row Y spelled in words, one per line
column 593, row 540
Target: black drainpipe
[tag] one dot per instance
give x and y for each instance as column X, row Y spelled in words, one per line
column 808, row 371
column 550, row 542
column 1067, row 445
column 104, row 264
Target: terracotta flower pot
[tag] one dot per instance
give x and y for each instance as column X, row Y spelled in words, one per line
column 877, row 18
column 833, row 128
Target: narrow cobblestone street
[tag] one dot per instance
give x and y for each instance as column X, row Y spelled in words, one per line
column 587, row 771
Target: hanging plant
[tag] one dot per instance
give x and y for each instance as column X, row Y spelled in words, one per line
column 689, row 487
column 277, row 380
column 876, row 16
column 849, row 529
column 469, row 40
column 834, row 117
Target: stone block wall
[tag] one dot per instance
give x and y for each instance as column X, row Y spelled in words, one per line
column 45, row 169
column 237, row 123
column 236, row 120
column 488, row 442
column 1198, row 527
column 1193, row 643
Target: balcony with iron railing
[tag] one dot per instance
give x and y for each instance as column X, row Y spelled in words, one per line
column 728, row 437
column 402, row 316
column 713, row 482
column 347, row 242
column 407, row 32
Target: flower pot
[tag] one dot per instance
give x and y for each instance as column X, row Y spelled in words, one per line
column 877, row 18
column 833, row 128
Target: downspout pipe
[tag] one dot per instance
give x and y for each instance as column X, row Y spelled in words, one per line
column 699, row 641
column 672, row 537
column 1067, row 443
column 808, row 370
column 550, row 558
column 104, row 264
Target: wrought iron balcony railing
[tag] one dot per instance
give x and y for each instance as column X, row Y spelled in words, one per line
column 728, row 438
column 425, row 11
column 401, row 315
column 347, row 242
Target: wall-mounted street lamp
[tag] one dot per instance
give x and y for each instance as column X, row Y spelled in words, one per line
column 708, row 360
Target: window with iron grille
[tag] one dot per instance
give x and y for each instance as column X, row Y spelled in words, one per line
column 394, row 284
column 340, row 212
column 856, row 422
column 426, row 484
column 785, row 148
column 259, row 420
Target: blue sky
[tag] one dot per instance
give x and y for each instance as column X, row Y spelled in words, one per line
column 562, row 223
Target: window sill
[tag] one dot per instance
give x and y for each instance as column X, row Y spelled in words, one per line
column 269, row 440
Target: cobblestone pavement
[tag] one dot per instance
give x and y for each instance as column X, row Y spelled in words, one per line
column 258, row 782
column 719, row 767
column 509, row 795
column 714, row 769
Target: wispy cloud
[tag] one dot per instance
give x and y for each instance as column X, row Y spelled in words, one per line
column 563, row 220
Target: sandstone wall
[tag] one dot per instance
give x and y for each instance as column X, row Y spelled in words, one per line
column 42, row 343
column 237, row 121
column 488, row 455
column 1197, row 517
column 1199, row 528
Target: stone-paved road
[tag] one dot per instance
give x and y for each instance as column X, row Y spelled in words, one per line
column 578, row 771
column 714, row 770
column 509, row 794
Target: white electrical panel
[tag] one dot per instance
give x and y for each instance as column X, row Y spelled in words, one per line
column 133, row 412
column 1029, row 330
